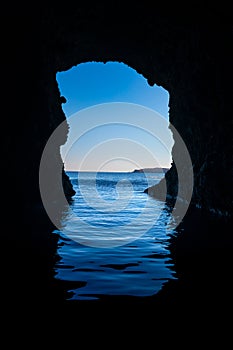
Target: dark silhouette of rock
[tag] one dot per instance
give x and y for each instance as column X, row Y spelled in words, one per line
column 189, row 53
column 151, row 170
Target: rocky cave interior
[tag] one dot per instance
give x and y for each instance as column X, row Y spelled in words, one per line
column 191, row 57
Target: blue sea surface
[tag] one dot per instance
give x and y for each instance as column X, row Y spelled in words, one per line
column 116, row 240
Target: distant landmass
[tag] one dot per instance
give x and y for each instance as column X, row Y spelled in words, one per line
column 151, row 170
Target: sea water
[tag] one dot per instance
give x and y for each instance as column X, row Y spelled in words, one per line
column 116, row 240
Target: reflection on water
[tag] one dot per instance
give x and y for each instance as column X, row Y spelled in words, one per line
column 135, row 260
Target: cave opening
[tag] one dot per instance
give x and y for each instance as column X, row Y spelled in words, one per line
column 107, row 89
column 118, row 144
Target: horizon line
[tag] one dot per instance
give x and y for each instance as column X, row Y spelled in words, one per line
column 115, row 171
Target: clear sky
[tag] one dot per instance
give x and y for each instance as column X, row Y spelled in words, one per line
column 110, row 111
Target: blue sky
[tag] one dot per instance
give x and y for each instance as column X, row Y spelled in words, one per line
column 90, row 90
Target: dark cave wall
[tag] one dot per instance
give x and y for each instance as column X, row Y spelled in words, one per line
column 192, row 60
column 190, row 56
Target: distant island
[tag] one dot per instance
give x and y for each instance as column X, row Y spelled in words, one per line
column 151, row 170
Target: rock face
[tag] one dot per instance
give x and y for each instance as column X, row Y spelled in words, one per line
column 190, row 56
column 191, row 59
